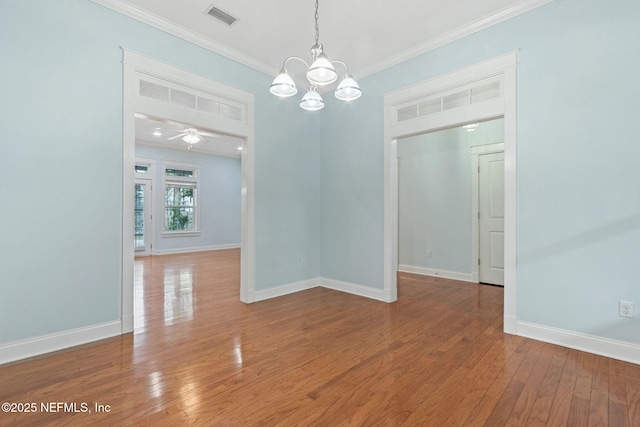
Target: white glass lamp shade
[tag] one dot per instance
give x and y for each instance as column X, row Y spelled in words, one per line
column 312, row 101
column 348, row 89
column 283, row 85
column 321, row 71
column 191, row 138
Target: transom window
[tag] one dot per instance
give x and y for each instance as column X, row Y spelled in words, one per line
column 178, row 172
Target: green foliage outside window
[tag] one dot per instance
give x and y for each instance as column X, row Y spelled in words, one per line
column 179, row 207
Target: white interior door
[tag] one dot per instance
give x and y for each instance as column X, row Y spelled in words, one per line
column 491, row 218
column 142, row 217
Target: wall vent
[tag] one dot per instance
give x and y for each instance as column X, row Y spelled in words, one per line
column 221, row 15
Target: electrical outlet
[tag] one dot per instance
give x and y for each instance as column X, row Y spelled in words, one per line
column 625, row 309
column 429, row 254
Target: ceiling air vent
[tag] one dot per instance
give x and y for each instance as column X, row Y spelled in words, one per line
column 221, row 16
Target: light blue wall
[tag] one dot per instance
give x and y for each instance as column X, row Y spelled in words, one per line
column 220, row 190
column 318, row 178
column 578, row 204
column 288, row 181
column 434, row 196
column 352, row 179
column 61, row 163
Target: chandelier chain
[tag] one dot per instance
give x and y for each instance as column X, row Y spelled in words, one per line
column 317, row 26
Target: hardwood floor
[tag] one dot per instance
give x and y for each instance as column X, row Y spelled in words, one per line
column 436, row 357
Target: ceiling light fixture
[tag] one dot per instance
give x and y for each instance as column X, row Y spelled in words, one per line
column 321, row 72
column 191, row 138
column 189, row 135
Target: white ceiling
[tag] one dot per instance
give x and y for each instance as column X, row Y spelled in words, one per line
column 368, row 35
column 212, row 143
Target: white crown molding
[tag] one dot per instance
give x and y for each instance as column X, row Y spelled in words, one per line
column 453, row 35
column 431, row 44
column 185, row 34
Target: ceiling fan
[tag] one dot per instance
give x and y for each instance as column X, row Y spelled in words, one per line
column 192, row 136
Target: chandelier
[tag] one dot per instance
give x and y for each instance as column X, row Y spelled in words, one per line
column 321, row 72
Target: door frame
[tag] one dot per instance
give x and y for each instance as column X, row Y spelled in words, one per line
column 148, row 217
column 149, row 176
column 476, row 152
column 137, row 66
column 502, row 67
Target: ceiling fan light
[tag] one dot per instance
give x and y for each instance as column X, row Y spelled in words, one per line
column 283, row 85
column 348, row 89
column 321, row 71
column 312, row 101
column 191, row 138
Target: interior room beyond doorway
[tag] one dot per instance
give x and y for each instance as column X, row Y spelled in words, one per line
column 436, row 206
column 188, row 188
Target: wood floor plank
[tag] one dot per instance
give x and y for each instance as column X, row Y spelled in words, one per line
column 599, row 401
column 618, row 414
column 200, row 357
column 578, row 412
column 522, row 407
column 504, row 406
column 633, row 398
column 544, row 400
column 533, row 371
column 559, row 414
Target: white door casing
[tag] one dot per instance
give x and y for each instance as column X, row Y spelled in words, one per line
column 476, row 152
column 147, row 207
column 236, row 120
column 491, row 218
column 410, row 111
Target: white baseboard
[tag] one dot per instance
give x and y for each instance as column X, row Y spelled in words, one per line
column 510, row 325
column 279, row 291
column 614, row 349
column 455, row 275
column 628, row 352
column 23, row 349
column 195, row 249
column 352, row 288
column 17, row 350
column 127, row 324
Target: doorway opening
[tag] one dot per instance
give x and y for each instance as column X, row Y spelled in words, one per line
column 477, row 93
column 153, row 90
column 442, row 202
column 143, row 217
column 488, row 219
column 188, row 195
